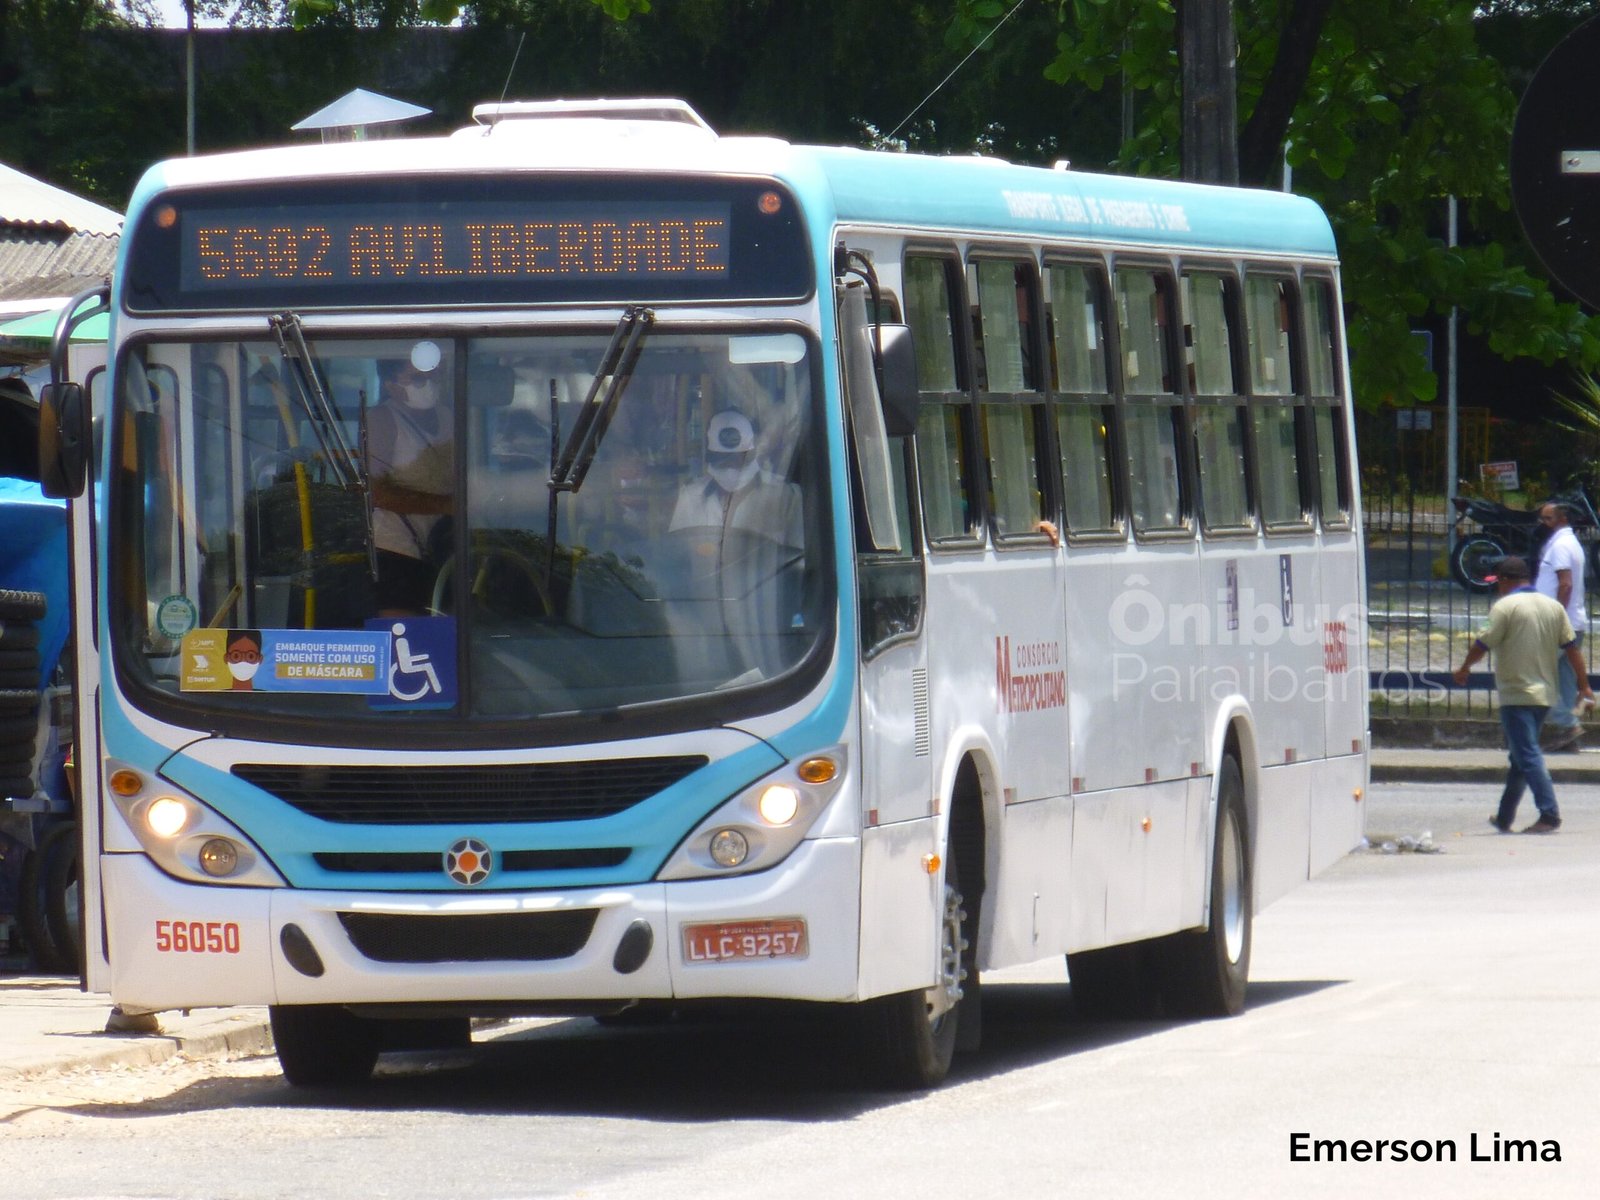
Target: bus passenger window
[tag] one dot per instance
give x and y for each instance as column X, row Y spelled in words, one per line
column 1219, row 440
column 1209, row 339
column 1332, row 477
column 1321, row 375
column 1084, row 432
column 1270, row 324
column 1011, row 435
column 1077, row 331
column 1277, row 452
column 928, row 311
column 1154, row 477
column 1144, row 317
column 1002, row 326
column 945, row 463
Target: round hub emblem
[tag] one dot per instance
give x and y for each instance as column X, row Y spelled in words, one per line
column 468, row 862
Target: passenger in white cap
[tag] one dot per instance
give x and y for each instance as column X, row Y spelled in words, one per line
column 738, row 492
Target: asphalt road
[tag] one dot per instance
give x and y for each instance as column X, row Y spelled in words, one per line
column 1428, row 999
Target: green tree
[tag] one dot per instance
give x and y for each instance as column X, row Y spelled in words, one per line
column 394, row 13
column 1381, row 109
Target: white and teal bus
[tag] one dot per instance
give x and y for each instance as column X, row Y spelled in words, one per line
column 585, row 563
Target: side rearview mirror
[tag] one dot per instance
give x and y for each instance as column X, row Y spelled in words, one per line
column 899, row 362
column 64, row 440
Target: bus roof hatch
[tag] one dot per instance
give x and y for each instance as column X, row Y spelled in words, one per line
column 677, row 111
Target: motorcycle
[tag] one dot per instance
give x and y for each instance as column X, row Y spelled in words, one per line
column 1502, row 531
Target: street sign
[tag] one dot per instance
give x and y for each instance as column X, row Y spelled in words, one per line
column 1555, row 163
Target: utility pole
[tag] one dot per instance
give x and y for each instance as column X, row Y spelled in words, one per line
column 188, row 71
column 1206, row 58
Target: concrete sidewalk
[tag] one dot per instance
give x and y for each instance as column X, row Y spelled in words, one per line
column 1475, row 765
column 48, row 1026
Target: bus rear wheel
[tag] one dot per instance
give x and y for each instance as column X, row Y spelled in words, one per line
column 323, row 1045
column 909, row 1039
column 1205, row 972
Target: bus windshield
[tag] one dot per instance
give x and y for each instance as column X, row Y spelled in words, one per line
column 315, row 527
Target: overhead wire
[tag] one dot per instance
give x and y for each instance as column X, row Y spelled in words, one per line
column 982, row 42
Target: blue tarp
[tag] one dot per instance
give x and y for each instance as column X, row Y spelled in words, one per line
column 33, row 558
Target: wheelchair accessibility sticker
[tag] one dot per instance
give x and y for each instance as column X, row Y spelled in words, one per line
column 422, row 662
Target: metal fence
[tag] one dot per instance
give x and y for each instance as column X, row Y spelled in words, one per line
column 1420, row 620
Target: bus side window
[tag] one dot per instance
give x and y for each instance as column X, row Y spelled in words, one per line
column 944, row 436
column 1144, row 317
column 1157, row 496
column 1210, row 342
column 1279, row 426
column 1155, row 475
column 1075, row 320
column 1281, row 482
column 1322, row 382
column 1011, row 404
column 1270, row 326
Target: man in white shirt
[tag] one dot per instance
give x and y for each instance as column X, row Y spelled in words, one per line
column 1560, row 576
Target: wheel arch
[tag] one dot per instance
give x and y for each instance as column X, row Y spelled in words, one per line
column 970, row 801
column 1234, row 736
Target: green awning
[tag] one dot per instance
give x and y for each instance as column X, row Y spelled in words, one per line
column 42, row 327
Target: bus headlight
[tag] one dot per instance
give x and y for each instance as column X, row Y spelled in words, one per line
column 779, row 804
column 761, row 825
column 729, row 847
column 219, row 857
column 185, row 838
column 165, row 816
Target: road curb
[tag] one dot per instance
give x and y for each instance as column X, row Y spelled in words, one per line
column 233, row 1036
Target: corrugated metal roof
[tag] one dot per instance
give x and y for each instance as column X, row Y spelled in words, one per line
column 25, row 200
column 35, row 264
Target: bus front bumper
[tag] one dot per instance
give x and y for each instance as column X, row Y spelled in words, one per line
column 181, row 945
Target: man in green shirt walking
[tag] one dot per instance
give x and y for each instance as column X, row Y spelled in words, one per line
column 1528, row 632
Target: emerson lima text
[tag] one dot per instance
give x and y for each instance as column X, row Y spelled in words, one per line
column 1495, row 1147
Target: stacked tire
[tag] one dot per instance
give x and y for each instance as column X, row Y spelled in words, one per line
column 48, row 888
column 19, row 689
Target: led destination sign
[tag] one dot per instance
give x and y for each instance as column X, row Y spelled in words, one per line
column 230, row 247
column 438, row 241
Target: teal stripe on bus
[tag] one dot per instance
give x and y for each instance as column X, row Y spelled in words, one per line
column 909, row 191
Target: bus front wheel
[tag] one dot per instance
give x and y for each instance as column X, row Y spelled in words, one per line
column 323, row 1045
column 1206, row 971
column 909, row 1039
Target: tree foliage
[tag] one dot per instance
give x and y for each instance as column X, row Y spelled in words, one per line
column 1382, row 110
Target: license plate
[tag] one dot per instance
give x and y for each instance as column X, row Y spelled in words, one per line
column 740, row 941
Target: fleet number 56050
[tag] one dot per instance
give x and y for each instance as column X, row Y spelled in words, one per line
column 197, row 937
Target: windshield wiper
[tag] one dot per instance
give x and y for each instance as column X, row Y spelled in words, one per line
column 319, row 409
column 600, row 405
column 570, row 465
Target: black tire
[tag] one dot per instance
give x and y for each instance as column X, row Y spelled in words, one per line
column 63, row 900
column 21, row 606
column 904, row 1044
column 1205, row 972
column 19, row 731
column 15, row 636
column 33, row 900
column 16, row 787
column 323, row 1045
column 18, row 701
column 19, row 660
column 1470, row 560
column 19, row 678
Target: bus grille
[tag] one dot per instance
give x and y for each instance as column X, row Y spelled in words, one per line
column 419, row 861
column 476, row 937
column 477, row 795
